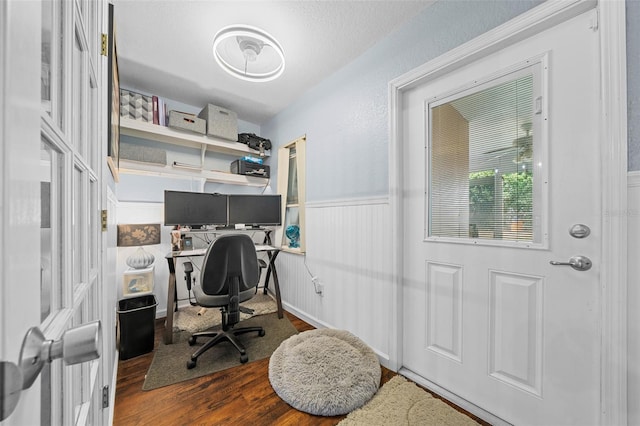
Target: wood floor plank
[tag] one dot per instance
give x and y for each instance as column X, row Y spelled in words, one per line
column 240, row 395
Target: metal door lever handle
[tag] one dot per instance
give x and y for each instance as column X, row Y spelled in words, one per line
column 78, row 344
column 579, row 263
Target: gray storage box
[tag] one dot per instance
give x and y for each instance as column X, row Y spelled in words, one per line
column 145, row 154
column 136, row 106
column 221, row 122
column 184, row 121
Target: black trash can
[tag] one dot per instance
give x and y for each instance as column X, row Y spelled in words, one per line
column 136, row 326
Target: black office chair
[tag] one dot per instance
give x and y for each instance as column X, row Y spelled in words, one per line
column 228, row 277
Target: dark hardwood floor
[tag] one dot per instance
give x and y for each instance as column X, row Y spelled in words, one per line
column 237, row 396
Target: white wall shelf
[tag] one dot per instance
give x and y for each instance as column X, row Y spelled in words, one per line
column 151, row 169
column 144, row 130
column 154, row 132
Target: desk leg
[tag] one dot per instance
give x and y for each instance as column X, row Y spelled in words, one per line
column 168, row 324
column 276, row 283
column 271, row 256
column 267, row 277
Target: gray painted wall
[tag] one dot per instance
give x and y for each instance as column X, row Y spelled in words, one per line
column 345, row 117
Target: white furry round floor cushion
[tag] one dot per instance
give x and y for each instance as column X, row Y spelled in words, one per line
column 324, row 372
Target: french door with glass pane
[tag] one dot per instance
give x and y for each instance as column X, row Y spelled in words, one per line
column 51, row 247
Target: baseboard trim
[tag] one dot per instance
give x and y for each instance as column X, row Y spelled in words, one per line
column 382, row 357
column 305, row 317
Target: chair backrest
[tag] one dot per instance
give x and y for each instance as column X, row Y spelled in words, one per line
column 230, row 256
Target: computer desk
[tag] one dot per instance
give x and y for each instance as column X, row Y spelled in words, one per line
column 172, row 303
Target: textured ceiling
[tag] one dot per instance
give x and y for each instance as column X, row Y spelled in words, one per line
column 165, row 46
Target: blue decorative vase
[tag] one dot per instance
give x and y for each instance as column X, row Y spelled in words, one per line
column 293, row 234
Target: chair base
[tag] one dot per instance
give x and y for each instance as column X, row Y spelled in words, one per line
column 217, row 337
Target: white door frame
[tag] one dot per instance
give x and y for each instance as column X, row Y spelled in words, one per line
column 613, row 115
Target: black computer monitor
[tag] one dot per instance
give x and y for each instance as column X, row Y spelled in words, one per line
column 194, row 208
column 255, row 210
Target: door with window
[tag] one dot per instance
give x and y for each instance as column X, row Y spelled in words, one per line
column 50, row 240
column 502, row 229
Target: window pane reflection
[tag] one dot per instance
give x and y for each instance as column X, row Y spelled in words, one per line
column 51, row 60
column 50, row 231
column 92, row 217
column 292, row 191
column 50, row 257
column 77, row 225
column 45, row 79
column 79, row 93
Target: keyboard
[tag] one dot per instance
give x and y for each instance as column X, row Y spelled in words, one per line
column 184, row 253
column 202, row 252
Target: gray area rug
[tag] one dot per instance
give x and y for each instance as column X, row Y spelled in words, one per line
column 195, row 318
column 169, row 363
column 324, row 372
column 401, row 402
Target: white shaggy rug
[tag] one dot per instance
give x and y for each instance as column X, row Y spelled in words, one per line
column 195, row 318
column 401, row 402
column 324, row 372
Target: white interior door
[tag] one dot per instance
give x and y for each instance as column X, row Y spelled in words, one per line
column 486, row 317
column 50, row 239
column 20, row 190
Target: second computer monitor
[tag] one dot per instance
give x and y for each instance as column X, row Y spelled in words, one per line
column 255, row 210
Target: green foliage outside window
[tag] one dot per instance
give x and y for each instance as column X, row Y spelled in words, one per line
column 481, row 191
column 517, row 196
column 516, row 201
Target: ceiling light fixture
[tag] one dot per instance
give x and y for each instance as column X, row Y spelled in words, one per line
column 248, row 53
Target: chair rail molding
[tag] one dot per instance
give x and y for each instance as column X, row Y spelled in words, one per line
column 361, row 201
column 633, row 179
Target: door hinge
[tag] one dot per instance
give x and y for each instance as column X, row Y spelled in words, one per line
column 103, row 218
column 103, row 45
column 105, row 396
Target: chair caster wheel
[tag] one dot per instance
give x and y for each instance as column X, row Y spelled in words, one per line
column 191, row 364
column 244, row 358
column 192, row 341
column 261, row 333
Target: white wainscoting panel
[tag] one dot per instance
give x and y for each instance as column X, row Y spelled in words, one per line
column 444, row 319
column 142, row 212
column 349, row 250
column 516, row 330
